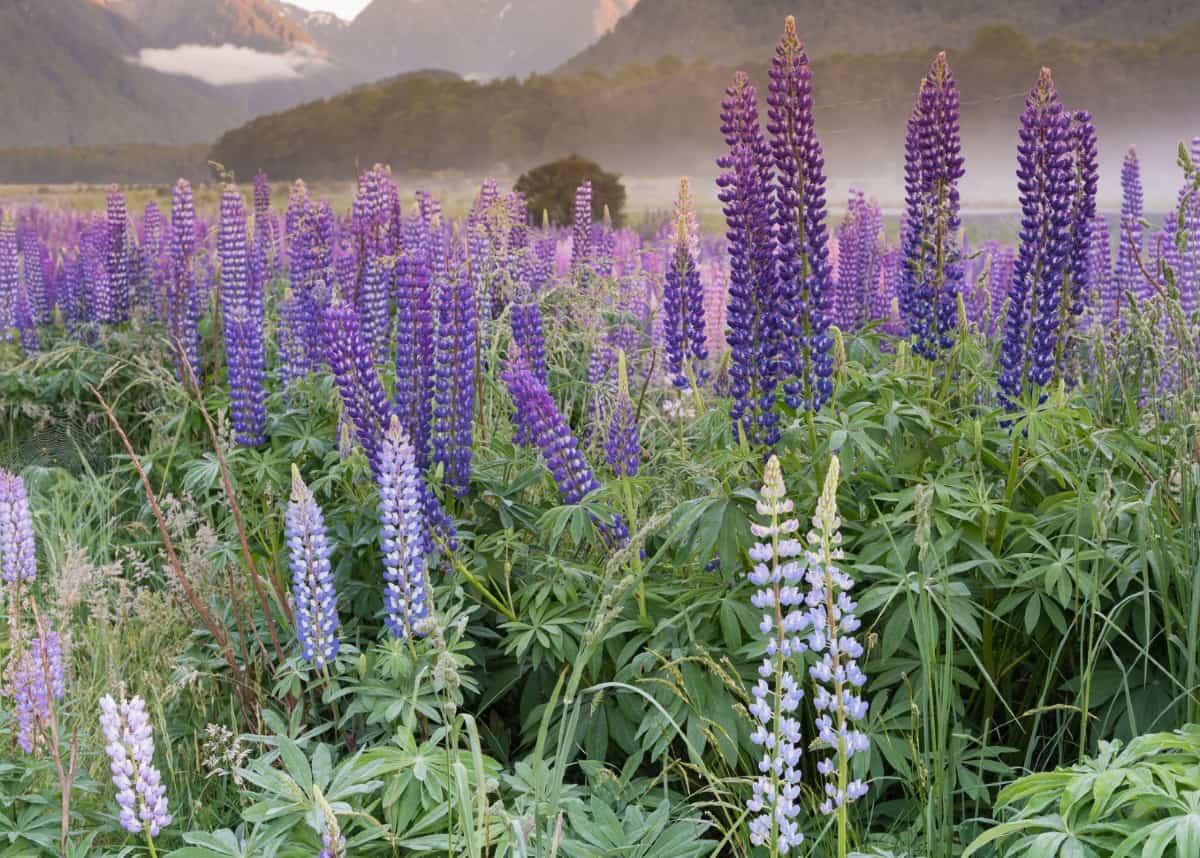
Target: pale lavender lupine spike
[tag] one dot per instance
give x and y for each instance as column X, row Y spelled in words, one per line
column 141, row 795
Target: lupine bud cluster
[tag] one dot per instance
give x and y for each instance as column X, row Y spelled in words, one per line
column 18, row 560
column 141, row 796
column 776, row 575
column 312, row 577
column 242, row 323
column 402, row 535
column 933, row 164
column 837, row 675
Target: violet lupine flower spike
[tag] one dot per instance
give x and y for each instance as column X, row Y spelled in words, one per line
column 454, row 362
column 777, row 694
column 312, row 578
column 38, row 679
column 414, row 337
column 184, row 302
column 745, row 193
column 683, row 299
column 353, row 368
column 18, row 558
column 242, row 323
column 836, row 674
column 622, row 448
column 803, row 304
column 141, row 795
column 1077, row 283
column 116, row 306
column 933, row 275
column 402, row 536
column 1045, row 176
column 1127, row 278
column 10, row 277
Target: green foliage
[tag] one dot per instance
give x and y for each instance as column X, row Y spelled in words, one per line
column 550, row 189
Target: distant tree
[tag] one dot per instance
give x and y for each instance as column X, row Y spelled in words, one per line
column 551, row 188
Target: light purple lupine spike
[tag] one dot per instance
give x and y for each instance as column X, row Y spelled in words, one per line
column 581, row 234
column 38, row 678
column 183, row 300
column 10, row 277
column 18, row 552
column 141, row 796
column 454, row 363
column 413, row 287
column 357, row 380
column 116, row 307
column 242, row 323
column 402, row 536
column 859, row 239
column 1127, row 278
column 312, row 577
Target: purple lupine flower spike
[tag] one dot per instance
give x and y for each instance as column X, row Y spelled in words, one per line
column 933, row 275
column 242, row 320
column 744, row 191
column 622, row 448
column 860, row 238
column 402, row 535
column 836, row 674
column 184, row 301
column 1127, row 278
column 10, row 277
column 116, row 306
column 683, row 298
column 803, row 303
column 414, row 337
column 357, row 381
column 1045, row 176
column 581, row 234
column 33, row 265
column 18, row 557
column 454, row 380
column 38, row 677
column 1077, row 285
column 312, row 577
column 775, row 576
column 141, row 796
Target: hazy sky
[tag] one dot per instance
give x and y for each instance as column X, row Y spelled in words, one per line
column 345, row 8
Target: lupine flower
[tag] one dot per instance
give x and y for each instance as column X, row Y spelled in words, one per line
column 37, row 679
column 623, row 446
column 859, row 240
column 357, row 381
column 683, row 299
column 26, row 324
column 1127, row 278
column 454, row 381
column 242, row 322
column 1040, row 302
column 141, row 796
column 581, row 234
column 744, row 191
column 836, row 674
column 116, row 307
column 1100, row 272
column 32, row 257
column 18, row 559
column 414, row 338
column 183, row 300
column 10, row 277
column 777, row 695
column 1078, row 283
column 312, row 578
column 803, row 303
column 402, row 535
column 293, row 358
column 528, row 333
column 933, row 276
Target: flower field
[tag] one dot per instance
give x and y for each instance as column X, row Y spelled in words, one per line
column 376, row 532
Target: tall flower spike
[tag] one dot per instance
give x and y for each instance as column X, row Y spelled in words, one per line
column 454, row 361
column 414, row 337
column 141, row 796
column 581, row 234
column 18, row 559
column 1046, row 178
column 10, row 276
column 312, row 577
column 183, row 300
column 775, row 576
column 1128, row 278
column 859, row 238
column 406, row 588
column 1077, row 284
column 683, row 298
column 836, row 674
column 37, row 679
column 745, row 193
column 933, row 275
column 623, row 445
column 242, row 321
column 803, row 304
column 116, row 307
column 357, row 381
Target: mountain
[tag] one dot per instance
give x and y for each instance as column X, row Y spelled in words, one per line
column 260, row 24
column 730, row 31
column 66, row 81
column 322, row 27
column 484, row 38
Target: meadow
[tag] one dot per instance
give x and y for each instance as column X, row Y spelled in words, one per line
column 338, row 526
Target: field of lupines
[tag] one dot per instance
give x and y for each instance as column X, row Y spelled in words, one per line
column 373, row 533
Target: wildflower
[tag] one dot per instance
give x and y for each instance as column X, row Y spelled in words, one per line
column 776, row 575
column 1127, row 278
column 581, row 234
column 141, row 795
column 312, row 577
column 683, row 299
column 37, row 679
column 18, row 560
column 836, row 673
column 114, row 306
column 242, row 321
column 402, row 535
column 623, row 445
column 357, row 380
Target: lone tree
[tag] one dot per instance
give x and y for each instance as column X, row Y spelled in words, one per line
column 551, row 188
